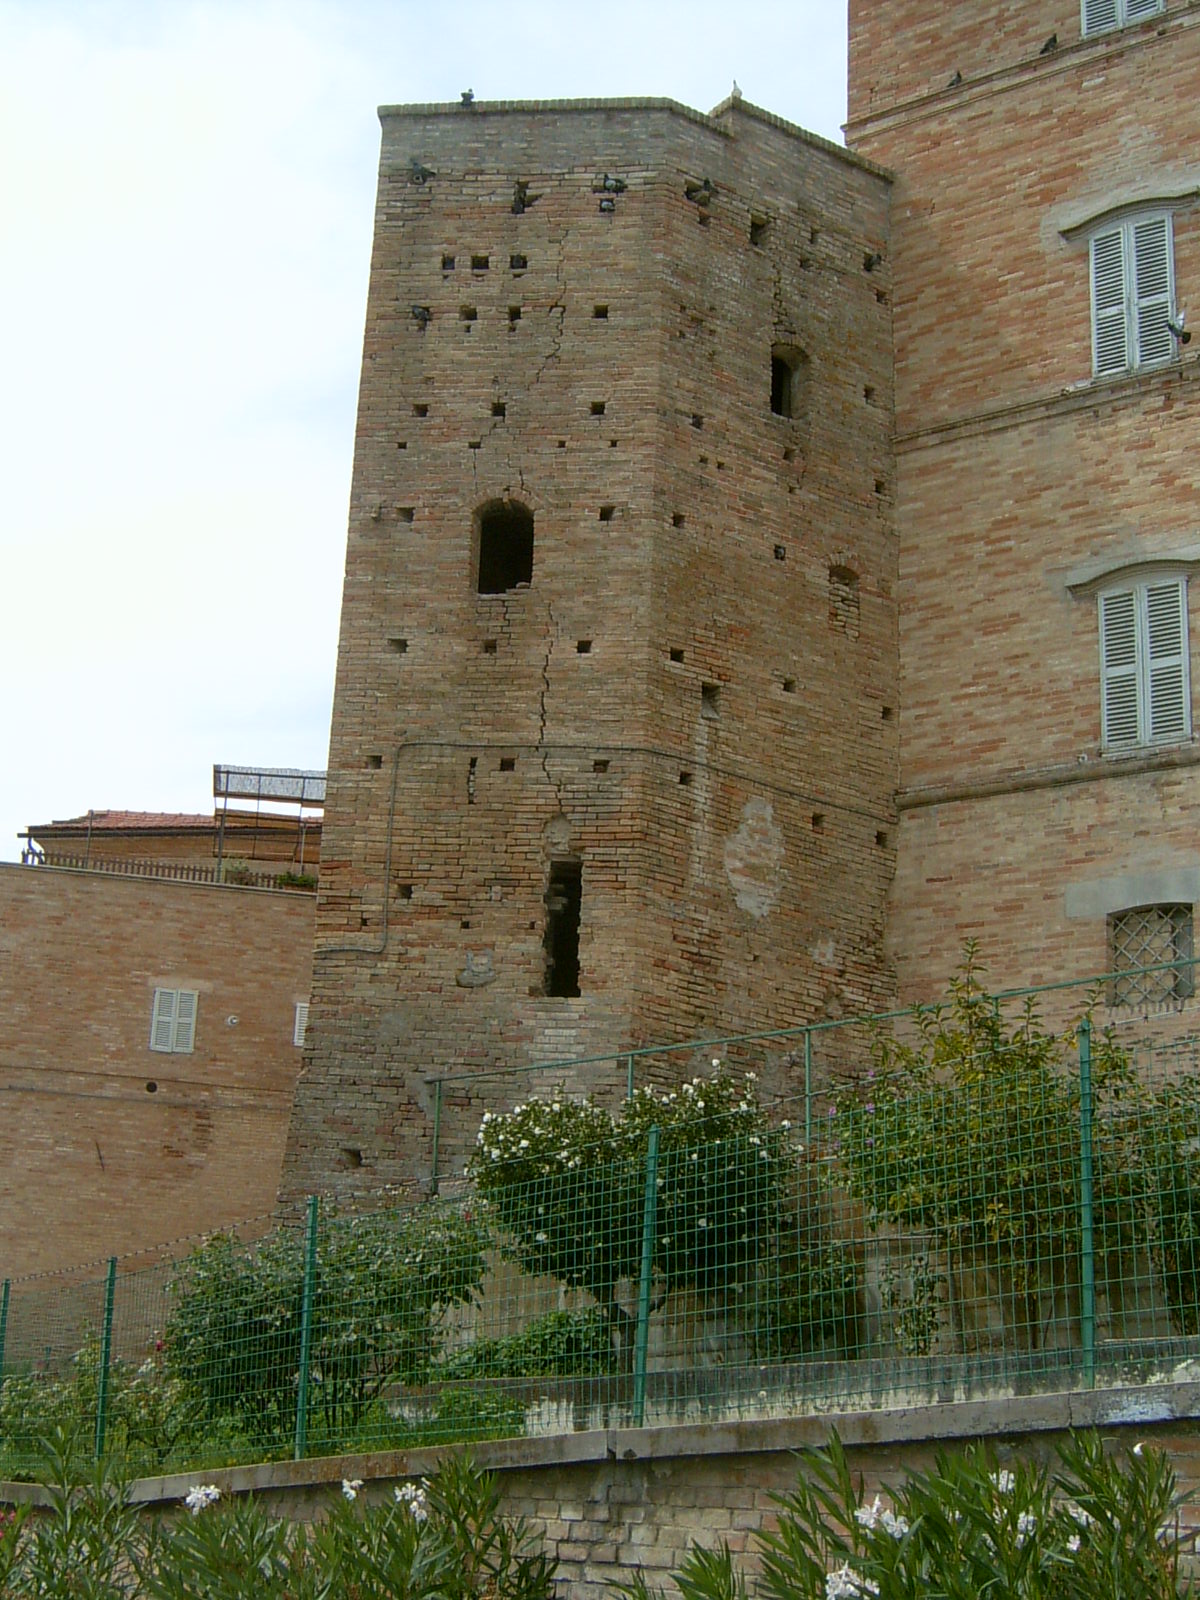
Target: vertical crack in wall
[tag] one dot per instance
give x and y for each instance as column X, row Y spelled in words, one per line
column 551, row 640
column 557, row 310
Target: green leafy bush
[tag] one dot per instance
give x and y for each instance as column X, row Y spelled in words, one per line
column 971, row 1136
column 384, row 1283
column 1094, row 1527
column 562, row 1344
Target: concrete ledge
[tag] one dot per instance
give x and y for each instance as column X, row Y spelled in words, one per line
column 970, row 1419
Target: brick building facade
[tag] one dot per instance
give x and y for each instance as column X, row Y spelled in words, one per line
column 1044, row 241
column 148, row 1054
column 613, row 752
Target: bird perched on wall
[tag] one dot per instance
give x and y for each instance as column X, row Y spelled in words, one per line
column 607, row 203
column 468, row 97
column 1050, row 46
column 700, row 194
column 418, row 174
column 522, row 199
column 608, row 185
column 735, row 93
column 421, row 316
column 955, row 81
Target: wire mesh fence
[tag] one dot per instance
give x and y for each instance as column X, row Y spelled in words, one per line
column 972, row 1205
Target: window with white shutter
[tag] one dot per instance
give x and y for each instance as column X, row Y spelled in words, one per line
column 300, row 1029
column 1144, row 677
column 1133, row 295
column 173, row 1021
column 1099, row 16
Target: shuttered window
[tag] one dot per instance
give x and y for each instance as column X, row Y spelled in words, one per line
column 1101, row 15
column 1145, row 691
column 1133, row 295
column 300, row 1028
column 173, row 1021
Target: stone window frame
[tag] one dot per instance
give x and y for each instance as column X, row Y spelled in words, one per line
column 1131, row 274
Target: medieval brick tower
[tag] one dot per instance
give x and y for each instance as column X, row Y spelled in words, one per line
column 614, row 740
column 1045, row 246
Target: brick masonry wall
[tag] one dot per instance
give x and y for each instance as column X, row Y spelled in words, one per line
column 105, row 1145
column 683, row 699
column 1018, row 474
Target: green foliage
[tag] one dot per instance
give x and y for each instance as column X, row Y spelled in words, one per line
column 971, row 1135
column 443, row 1541
column 1096, row 1526
column 1170, row 1148
column 152, row 1416
column 565, row 1181
column 384, row 1284
column 562, row 1344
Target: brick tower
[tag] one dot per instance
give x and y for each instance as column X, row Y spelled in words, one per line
column 613, row 752
column 1045, row 243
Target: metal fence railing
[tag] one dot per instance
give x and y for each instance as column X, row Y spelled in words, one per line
column 979, row 1207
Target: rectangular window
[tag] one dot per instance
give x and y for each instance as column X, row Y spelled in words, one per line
column 564, row 900
column 1148, row 937
column 1099, row 16
column 1145, row 689
column 300, row 1027
column 1133, row 295
column 173, row 1021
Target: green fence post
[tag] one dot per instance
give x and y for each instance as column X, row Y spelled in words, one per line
column 3, row 1324
column 807, row 1088
column 110, row 1295
column 629, row 1077
column 306, row 1317
column 642, row 1336
column 437, row 1135
column 1087, row 1241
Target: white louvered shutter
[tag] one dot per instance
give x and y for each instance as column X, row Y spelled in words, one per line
column 1152, row 290
column 1166, row 660
column 162, row 1021
column 185, row 1021
column 301, row 1028
column 1099, row 15
column 1109, row 350
column 1118, row 669
column 1135, row 10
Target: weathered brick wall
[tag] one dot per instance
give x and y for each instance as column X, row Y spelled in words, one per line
column 105, row 1145
column 683, row 698
column 1017, row 473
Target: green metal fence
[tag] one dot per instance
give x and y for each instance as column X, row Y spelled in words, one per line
column 977, row 1206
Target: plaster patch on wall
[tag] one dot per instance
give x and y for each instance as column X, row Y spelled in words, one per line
column 754, row 858
column 477, row 971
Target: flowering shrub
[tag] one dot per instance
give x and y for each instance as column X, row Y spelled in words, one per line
column 384, row 1284
column 1095, row 1528
column 564, row 1181
column 441, row 1540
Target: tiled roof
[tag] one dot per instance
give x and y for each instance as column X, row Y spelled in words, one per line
column 132, row 821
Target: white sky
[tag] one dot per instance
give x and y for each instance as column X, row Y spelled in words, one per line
column 186, row 200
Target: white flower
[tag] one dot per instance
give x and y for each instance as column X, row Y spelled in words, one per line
column 869, row 1516
column 201, row 1495
column 1073, row 1543
column 1139, row 1447
column 1026, row 1526
column 716, row 1063
column 1004, row 1481
column 412, row 1497
column 846, row 1584
column 350, row 1487
column 1082, row 1517
column 539, row 1238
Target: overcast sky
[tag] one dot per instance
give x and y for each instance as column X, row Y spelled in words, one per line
column 186, row 199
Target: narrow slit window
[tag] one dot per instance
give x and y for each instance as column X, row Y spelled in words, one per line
column 564, row 901
column 505, row 547
column 789, row 366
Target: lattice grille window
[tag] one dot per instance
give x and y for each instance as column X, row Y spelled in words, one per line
column 1148, row 936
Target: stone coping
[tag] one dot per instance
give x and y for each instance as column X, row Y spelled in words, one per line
column 969, row 1419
